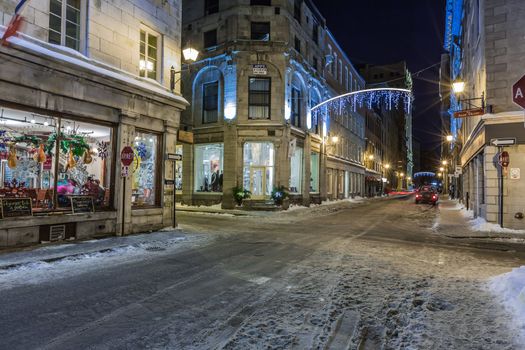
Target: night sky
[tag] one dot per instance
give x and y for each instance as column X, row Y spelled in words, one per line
column 386, row 31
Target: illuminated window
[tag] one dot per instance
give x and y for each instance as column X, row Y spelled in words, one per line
column 148, row 63
column 145, row 179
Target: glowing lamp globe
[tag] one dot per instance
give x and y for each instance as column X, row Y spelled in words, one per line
column 458, row 86
column 190, row 54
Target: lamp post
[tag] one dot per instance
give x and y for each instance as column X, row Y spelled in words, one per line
column 190, row 55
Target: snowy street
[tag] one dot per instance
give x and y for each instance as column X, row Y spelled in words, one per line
column 352, row 275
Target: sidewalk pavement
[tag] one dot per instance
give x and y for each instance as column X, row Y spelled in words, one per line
column 453, row 223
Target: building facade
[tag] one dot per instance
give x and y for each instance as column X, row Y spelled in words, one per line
column 396, row 151
column 263, row 66
column 82, row 82
column 485, row 42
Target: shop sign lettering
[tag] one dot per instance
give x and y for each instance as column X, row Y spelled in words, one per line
column 260, row 69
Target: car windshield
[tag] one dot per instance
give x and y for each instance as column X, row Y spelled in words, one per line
column 427, row 189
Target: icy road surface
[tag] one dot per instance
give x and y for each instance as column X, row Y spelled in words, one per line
column 370, row 275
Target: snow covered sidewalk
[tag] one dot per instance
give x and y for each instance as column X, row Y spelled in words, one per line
column 453, row 220
column 93, row 250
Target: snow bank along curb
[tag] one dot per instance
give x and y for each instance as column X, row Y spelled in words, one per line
column 479, row 224
column 509, row 288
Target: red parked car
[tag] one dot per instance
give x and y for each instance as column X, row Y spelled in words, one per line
column 427, row 194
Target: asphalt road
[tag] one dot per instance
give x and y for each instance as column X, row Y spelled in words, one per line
column 363, row 276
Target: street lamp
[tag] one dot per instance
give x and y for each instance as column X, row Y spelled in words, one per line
column 441, row 169
column 190, row 55
column 458, row 86
column 450, row 138
column 335, row 139
column 444, row 162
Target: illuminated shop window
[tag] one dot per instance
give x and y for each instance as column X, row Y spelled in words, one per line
column 145, row 169
column 209, row 167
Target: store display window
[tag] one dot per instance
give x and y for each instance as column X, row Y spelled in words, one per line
column 145, row 170
column 296, row 170
column 314, row 172
column 50, row 159
column 178, row 170
column 209, row 167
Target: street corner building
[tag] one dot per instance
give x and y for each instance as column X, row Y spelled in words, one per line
column 263, row 66
column 79, row 83
column 485, row 47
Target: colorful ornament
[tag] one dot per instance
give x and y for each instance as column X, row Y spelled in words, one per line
column 71, row 162
column 40, row 155
column 141, row 150
column 11, row 159
column 102, row 150
column 88, row 159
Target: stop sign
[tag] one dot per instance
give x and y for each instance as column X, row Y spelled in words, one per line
column 126, row 156
column 518, row 92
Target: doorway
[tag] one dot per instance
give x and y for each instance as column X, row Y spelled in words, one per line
column 258, row 168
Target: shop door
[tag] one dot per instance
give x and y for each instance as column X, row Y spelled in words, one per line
column 258, row 182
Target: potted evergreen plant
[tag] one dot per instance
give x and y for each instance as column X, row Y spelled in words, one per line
column 240, row 194
column 280, row 197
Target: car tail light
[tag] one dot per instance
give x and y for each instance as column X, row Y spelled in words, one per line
column 434, row 197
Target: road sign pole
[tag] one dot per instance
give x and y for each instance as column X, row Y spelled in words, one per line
column 174, row 195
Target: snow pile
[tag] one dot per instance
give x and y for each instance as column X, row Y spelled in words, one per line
column 510, row 289
column 479, row 224
column 327, row 202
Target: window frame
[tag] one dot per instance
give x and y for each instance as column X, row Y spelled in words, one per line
column 159, row 171
column 260, row 105
column 216, row 82
column 63, row 30
column 149, row 32
column 260, row 24
column 211, row 7
column 204, row 34
column 299, row 110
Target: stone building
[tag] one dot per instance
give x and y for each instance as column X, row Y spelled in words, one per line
column 392, row 151
column 263, row 66
column 486, row 46
column 83, row 80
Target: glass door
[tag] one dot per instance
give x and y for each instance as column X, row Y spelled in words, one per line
column 258, row 182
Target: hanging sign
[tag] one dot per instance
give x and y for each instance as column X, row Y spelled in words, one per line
column 469, row 113
column 259, row 69
column 185, row 136
column 14, row 207
column 518, row 92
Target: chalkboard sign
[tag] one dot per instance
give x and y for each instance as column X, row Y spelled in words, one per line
column 82, row 204
column 14, row 207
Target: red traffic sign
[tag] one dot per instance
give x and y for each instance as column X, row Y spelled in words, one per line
column 518, row 92
column 127, row 155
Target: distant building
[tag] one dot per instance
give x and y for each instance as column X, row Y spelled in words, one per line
column 486, row 45
column 397, row 125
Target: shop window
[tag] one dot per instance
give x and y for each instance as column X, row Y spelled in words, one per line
column 64, row 23
column 259, row 98
column 260, row 31
column 209, row 167
column 314, row 172
column 210, row 38
column 296, row 107
column 258, row 171
column 178, row 170
column 296, row 171
column 210, row 102
column 315, row 32
column 149, row 49
column 329, row 181
column 32, row 166
column 146, row 171
column 211, row 6
column 340, row 182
